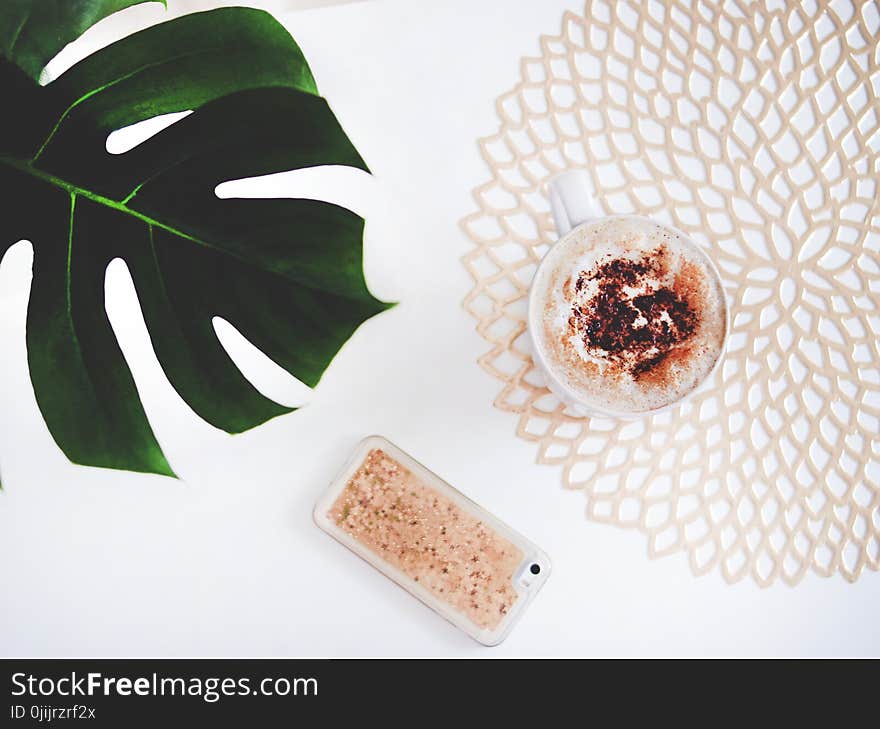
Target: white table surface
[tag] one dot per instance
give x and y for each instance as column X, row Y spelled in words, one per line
column 227, row 561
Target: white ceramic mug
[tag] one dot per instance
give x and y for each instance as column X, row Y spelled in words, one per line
column 572, row 205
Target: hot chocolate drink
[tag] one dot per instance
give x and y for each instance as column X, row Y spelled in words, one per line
column 629, row 315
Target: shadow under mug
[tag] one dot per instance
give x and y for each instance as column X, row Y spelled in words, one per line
column 572, row 206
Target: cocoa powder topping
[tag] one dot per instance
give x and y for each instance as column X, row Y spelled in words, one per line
column 635, row 318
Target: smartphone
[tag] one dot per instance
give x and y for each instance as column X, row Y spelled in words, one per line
column 434, row 542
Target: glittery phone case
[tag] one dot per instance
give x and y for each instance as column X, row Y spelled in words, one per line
column 437, row 544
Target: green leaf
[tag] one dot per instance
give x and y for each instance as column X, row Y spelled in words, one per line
column 33, row 31
column 287, row 273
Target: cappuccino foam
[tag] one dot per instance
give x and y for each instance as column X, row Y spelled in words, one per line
column 632, row 315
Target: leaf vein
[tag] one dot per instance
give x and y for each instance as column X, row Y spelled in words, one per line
column 69, row 267
column 110, row 84
column 27, row 168
column 17, row 35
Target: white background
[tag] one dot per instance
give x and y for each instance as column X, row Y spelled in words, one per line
column 227, row 561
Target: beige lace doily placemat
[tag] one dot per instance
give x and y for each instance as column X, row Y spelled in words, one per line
column 754, row 128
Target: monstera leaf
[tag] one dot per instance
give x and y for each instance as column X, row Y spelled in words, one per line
column 287, row 273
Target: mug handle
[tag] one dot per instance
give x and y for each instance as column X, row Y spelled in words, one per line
column 571, row 200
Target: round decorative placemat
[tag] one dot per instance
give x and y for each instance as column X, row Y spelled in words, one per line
column 755, row 128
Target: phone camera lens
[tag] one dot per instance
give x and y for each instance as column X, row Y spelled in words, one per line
column 535, row 569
